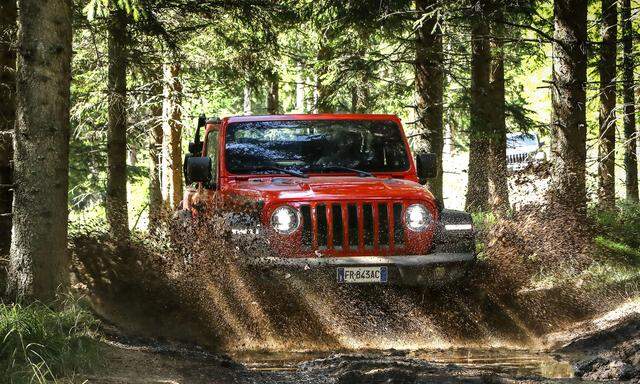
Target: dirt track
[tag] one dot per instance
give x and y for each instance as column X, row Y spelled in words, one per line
column 135, row 361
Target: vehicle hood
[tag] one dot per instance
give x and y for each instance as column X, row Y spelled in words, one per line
column 322, row 188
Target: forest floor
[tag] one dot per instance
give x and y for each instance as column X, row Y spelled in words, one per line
column 138, row 361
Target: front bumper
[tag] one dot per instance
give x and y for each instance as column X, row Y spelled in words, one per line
column 450, row 257
column 436, row 269
column 359, row 261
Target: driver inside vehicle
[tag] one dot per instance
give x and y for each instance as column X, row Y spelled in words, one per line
column 350, row 145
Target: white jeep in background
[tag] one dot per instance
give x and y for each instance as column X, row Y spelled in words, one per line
column 523, row 149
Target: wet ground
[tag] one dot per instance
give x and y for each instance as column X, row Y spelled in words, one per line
column 145, row 364
column 412, row 365
column 130, row 360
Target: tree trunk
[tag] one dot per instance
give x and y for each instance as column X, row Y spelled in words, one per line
column 630, row 139
column 568, row 125
column 273, row 102
column 7, row 117
column 133, row 155
column 246, row 101
column 430, row 86
column 38, row 259
column 316, row 94
column 354, row 99
column 607, row 117
column 360, row 96
column 323, row 93
column 312, row 104
column 116, row 207
column 300, row 88
column 155, row 163
column 479, row 136
column 166, row 174
column 361, row 91
column 364, row 95
column 175, row 133
column 498, row 183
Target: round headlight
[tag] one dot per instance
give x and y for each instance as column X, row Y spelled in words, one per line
column 285, row 219
column 417, row 217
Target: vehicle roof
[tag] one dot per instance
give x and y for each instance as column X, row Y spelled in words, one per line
column 319, row 116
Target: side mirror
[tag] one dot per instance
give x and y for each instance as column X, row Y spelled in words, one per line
column 426, row 166
column 198, row 169
column 195, row 147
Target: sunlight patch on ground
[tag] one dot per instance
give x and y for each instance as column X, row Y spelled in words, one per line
column 598, row 323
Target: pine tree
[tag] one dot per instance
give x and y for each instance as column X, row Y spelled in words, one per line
column 38, row 263
column 568, row 98
column 7, row 116
column 175, row 131
column 498, row 183
column 116, row 200
column 430, row 85
column 607, row 117
column 628, row 85
column 156, row 206
column 479, row 135
column 273, row 98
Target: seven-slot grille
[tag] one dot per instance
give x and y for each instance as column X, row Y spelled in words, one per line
column 356, row 226
column 517, row 158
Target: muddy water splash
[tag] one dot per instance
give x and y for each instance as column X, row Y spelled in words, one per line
column 193, row 286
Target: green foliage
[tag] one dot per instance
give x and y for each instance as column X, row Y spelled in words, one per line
column 41, row 344
column 101, row 8
column 483, row 223
column 621, row 230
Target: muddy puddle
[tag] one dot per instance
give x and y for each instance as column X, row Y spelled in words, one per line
column 501, row 361
column 159, row 363
column 510, row 362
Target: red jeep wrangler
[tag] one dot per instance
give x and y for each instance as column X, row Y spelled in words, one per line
column 336, row 192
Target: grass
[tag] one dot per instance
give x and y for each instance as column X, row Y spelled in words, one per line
column 41, row 344
column 618, row 259
column 620, row 232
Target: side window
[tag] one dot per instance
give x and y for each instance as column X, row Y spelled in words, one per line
column 212, row 152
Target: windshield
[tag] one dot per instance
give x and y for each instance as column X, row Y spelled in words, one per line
column 522, row 140
column 315, row 145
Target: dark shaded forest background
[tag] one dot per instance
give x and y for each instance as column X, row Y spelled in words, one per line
column 100, row 97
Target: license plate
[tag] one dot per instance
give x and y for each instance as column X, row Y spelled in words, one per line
column 362, row 275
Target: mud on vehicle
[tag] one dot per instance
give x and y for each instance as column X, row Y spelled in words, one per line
column 338, row 194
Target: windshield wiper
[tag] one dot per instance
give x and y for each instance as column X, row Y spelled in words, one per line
column 278, row 169
column 339, row 168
